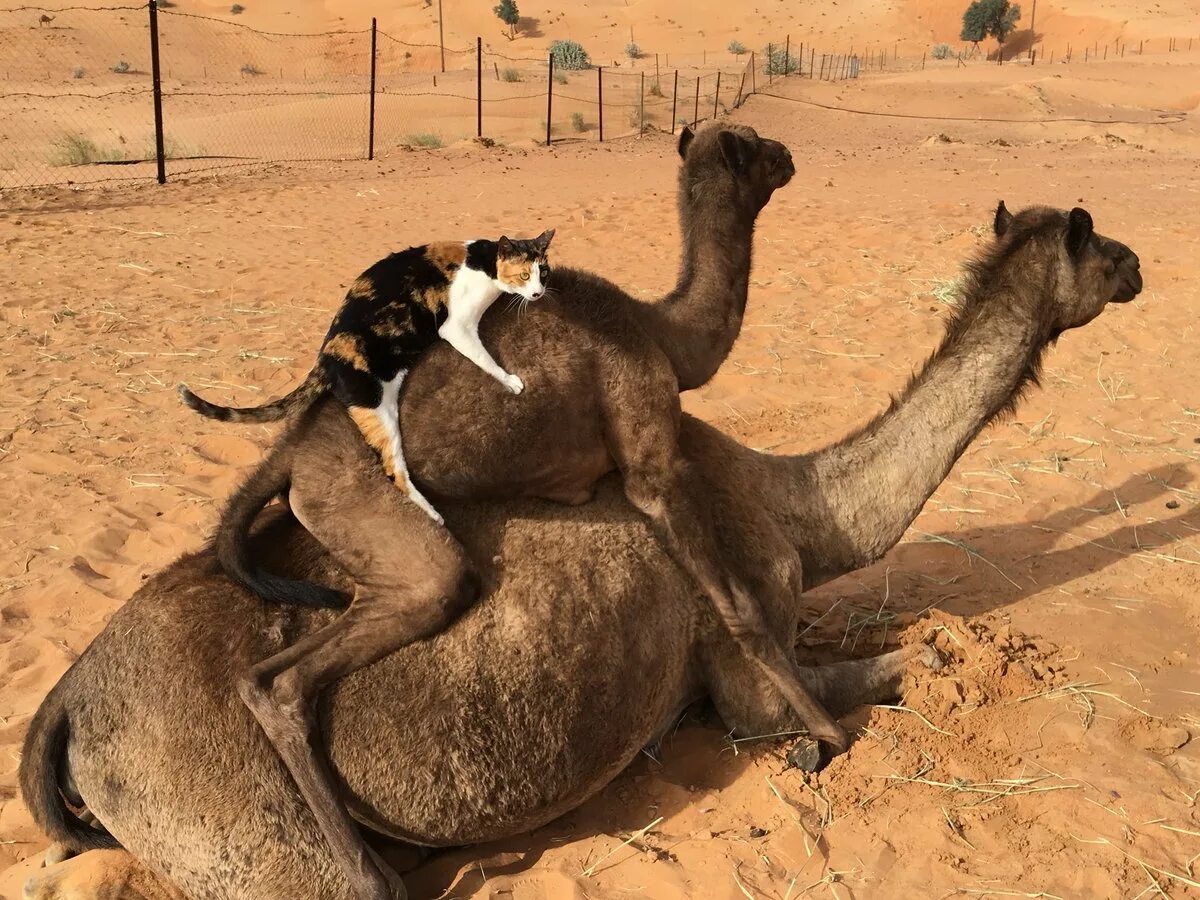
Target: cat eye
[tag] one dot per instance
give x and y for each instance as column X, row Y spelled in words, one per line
column 524, row 276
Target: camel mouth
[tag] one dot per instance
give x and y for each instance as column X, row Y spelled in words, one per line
column 1131, row 285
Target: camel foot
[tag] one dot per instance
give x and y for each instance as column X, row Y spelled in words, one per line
column 806, row 755
column 97, row 875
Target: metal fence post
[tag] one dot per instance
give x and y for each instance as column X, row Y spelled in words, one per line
column 156, row 73
column 717, row 95
column 549, row 97
column 770, row 77
column 812, row 60
column 674, row 101
column 371, row 113
column 787, row 54
column 642, row 108
column 753, row 72
column 696, row 112
column 800, row 61
column 478, row 87
column 600, row 98
column 441, row 37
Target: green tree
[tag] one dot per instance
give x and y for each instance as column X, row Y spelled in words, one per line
column 997, row 18
column 506, row 11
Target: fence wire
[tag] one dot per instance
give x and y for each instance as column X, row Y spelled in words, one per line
column 76, row 105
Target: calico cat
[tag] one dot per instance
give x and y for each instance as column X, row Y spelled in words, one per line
column 393, row 313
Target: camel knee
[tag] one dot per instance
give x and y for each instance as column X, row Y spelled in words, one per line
column 450, row 593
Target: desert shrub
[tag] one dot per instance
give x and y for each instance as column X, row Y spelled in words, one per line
column 635, row 116
column 632, row 50
column 737, row 48
column 779, row 61
column 166, row 4
column 250, row 69
column 577, row 122
column 237, row 9
column 77, row 150
column 655, row 89
column 424, row 139
column 941, row 51
column 78, row 72
column 510, row 75
column 569, row 55
column 560, row 77
column 122, row 67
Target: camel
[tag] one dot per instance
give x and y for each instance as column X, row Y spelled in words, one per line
column 514, row 715
column 609, row 390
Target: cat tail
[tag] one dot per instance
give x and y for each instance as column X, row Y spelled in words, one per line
column 232, row 542
column 301, row 398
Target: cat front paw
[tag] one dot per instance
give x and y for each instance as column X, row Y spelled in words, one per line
column 513, row 384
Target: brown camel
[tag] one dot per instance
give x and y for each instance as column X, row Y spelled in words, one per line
column 513, row 715
column 615, row 403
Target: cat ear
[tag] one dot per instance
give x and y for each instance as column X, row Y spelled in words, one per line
column 734, row 149
column 1079, row 231
column 542, row 241
column 504, row 246
column 685, row 140
column 1002, row 221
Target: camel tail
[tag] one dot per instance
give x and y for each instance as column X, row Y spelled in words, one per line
column 232, row 542
column 302, row 397
column 45, row 779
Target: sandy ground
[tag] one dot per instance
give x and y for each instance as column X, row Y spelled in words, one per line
column 1058, row 564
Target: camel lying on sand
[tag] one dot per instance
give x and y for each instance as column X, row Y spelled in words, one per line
column 586, row 645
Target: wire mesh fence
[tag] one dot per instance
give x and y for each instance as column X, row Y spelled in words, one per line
column 78, row 100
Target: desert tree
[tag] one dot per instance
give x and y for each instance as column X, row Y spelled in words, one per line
column 506, row 11
column 997, row 18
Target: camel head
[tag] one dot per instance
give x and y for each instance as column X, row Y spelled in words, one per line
column 1069, row 269
column 732, row 164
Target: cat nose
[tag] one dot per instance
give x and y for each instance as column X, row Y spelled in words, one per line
column 537, row 295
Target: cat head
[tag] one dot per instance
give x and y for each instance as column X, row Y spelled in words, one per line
column 521, row 266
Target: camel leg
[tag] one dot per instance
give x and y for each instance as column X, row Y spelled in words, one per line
column 642, row 419
column 412, row 580
column 99, row 875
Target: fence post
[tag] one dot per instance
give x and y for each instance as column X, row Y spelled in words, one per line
column 787, row 53
column 674, row 100
column 753, row 73
column 717, row 95
column 600, row 98
column 737, row 104
column 696, row 112
column 800, row 60
column 770, row 76
column 155, row 71
column 923, row 60
column 550, row 99
column 441, row 37
column 812, row 59
column 642, row 109
column 371, row 107
column 478, row 87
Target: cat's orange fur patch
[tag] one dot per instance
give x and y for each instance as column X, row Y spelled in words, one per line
column 348, row 349
column 510, row 270
column 447, row 256
column 376, row 437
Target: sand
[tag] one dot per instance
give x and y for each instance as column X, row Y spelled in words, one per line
column 1057, row 566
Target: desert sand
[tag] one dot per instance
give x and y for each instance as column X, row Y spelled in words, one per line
column 1058, row 566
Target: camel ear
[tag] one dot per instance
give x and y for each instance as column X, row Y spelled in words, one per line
column 685, row 140
column 1003, row 220
column 542, row 241
column 1079, row 231
column 734, row 149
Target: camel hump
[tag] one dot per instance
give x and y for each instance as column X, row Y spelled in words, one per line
column 43, row 771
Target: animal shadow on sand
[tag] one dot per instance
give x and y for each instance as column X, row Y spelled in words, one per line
column 704, row 760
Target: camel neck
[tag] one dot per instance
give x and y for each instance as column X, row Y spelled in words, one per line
column 860, row 495
column 697, row 323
